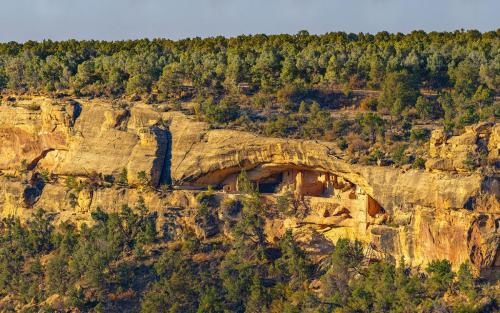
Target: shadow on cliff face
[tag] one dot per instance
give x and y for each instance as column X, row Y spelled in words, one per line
column 32, row 165
column 74, row 109
column 33, row 191
column 166, row 176
column 491, row 185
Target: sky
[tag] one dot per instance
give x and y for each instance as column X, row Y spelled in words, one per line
column 22, row 20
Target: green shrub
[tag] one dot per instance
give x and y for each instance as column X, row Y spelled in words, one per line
column 143, row 178
column 440, row 277
column 342, row 144
column 45, row 175
column 428, row 109
column 419, row 163
column 466, row 282
column 207, row 199
column 471, row 161
column 420, row 134
column 73, row 199
column 399, row 156
column 225, row 111
column 123, row 178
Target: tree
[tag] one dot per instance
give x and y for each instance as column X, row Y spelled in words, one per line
column 483, row 96
column 172, row 294
column 169, row 84
column 489, row 74
column 288, row 71
column 244, row 184
column 223, row 112
column 266, row 69
column 450, row 111
column 237, row 271
column 3, row 75
column 237, row 69
column 210, row 301
column 372, row 125
column 40, row 233
column 85, row 75
column 138, row 84
column 399, row 92
column 57, row 275
column 288, row 96
column 14, row 74
column 142, row 176
column 281, row 126
column 376, row 73
column 335, row 73
column 257, row 298
column 398, row 154
column 55, row 75
column 115, row 81
column 465, row 77
column 440, row 277
column 303, row 108
column 347, row 255
column 465, row 281
column 123, row 178
column 437, row 67
column 317, row 122
column 468, row 115
column 428, row 109
column 293, row 262
column 345, row 263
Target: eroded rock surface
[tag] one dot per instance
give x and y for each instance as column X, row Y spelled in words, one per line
column 99, row 139
column 478, row 145
column 447, row 211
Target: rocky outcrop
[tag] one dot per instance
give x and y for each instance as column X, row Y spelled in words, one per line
column 202, row 156
column 479, row 145
column 80, row 138
column 447, row 211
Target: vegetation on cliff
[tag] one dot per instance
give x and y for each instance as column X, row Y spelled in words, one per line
column 120, row 263
column 373, row 94
column 377, row 96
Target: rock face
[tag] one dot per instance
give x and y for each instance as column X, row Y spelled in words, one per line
column 447, row 211
column 79, row 138
column 478, row 145
column 207, row 156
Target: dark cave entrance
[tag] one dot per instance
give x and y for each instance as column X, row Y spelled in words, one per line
column 270, row 184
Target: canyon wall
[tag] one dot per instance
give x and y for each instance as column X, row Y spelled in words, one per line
column 446, row 211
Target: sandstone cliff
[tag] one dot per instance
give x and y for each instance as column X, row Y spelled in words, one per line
column 79, row 138
column 447, row 211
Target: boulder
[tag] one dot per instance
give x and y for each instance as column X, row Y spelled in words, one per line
column 478, row 145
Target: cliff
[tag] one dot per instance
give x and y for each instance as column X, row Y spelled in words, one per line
column 446, row 211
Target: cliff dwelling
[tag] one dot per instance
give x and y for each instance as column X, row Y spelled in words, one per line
column 331, row 199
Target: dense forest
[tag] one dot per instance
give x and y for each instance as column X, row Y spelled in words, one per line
column 378, row 96
column 121, row 263
column 461, row 67
column 465, row 61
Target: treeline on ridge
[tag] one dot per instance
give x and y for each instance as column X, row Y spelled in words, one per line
column 401, row 85
column 465, row 62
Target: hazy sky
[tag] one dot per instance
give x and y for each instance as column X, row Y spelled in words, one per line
column 22, row 20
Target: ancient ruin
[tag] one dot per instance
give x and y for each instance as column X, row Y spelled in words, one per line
column 441, row 212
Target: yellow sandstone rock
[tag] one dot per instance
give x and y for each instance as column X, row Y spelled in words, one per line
column 446, row 211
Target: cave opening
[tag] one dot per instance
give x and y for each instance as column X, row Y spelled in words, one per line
column 271, row 184
column 298, row 180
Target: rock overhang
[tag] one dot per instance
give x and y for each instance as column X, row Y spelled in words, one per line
column 105, row 139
